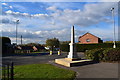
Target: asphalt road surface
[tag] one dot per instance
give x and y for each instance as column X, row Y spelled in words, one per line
column 98, row 70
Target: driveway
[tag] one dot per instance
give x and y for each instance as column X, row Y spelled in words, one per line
column 99, row 70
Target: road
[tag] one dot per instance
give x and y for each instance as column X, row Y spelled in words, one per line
column 99, row 70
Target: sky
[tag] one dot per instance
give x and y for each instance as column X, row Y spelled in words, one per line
column 39, row 21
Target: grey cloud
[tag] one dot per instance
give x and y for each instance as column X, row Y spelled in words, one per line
column 24, row 34
column 5, row 21
column 91, row 14
column 8, row 20
column 63, row 34
column 41, row 27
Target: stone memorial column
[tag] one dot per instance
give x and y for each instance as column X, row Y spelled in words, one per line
column 72, row 53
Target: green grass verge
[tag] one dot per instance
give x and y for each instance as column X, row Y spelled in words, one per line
column 43, row 71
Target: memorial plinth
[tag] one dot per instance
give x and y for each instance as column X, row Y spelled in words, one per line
column 71, row 63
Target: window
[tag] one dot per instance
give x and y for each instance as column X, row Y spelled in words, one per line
column 87, row 40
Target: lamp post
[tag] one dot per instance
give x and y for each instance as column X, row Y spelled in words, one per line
column 21, row 39
column 112, row 10
column 16, row 30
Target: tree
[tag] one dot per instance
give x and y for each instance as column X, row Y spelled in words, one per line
column 5, row 40
column 33, row 44
column 6, row 44
column 52, row 43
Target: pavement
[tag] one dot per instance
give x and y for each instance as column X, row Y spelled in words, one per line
column 97, row 70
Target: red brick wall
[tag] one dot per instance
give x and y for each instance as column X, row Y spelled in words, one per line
column 92, row 39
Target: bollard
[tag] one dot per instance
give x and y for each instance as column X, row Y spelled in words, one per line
column 27, row 51
column 58, row 52
column 50, row 52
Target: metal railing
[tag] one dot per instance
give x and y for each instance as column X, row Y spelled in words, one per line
column 7, row 71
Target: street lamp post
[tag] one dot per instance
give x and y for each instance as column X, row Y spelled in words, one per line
column 16, row 30
column 21, row 39
column 112, row 10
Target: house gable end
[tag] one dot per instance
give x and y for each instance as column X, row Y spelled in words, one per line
column 88, row 34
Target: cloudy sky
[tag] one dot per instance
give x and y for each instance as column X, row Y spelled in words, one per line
column 41, row 20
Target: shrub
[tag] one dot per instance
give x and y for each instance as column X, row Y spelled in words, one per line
column 111, row 54
column 94, row 54
column 103, row 54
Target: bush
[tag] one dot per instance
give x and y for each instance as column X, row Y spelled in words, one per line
column 95, row 54
column 111, row 54
column 103, row 54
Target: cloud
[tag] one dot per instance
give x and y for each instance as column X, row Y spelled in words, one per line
column 7, row 6
column 5, row 21
column 18, row 14
column 58, row 22
column 61, row 1
column 41, row 35
column 4, row 4
column 89, row 16
column 53, row 8
column 9, row 12
column 13, row 14
column 106, row 33
column 41, row 16
column 11, row 7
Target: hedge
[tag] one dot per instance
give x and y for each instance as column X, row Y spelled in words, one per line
column 64, row 47
column 103, row 54
column 84, row 47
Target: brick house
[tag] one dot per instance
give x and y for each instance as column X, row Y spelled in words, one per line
column 89, row 38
